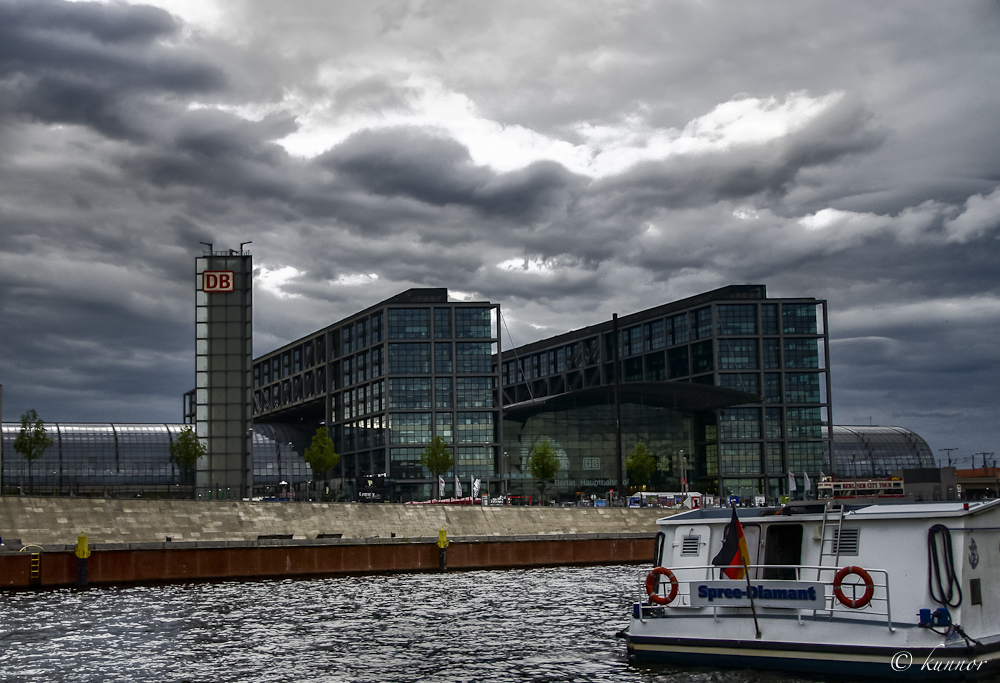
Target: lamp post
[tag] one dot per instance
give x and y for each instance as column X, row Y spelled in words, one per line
column 503, row 475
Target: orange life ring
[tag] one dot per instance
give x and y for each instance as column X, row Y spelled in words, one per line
column 652, row 584
column 838, row 580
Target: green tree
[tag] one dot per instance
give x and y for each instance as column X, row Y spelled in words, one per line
column 185, row 451
column 320, row 455
column 32, row 442
column 640, row 464
column 437, row 458
column 543, row 463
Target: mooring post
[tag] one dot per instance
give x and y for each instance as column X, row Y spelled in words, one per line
column 82, row 553
column 442, row 550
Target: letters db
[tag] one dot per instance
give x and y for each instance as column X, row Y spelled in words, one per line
column 217, row 281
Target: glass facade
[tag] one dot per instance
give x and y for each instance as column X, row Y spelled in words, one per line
column 583, row 437
column 736, row 338
column 438, row 359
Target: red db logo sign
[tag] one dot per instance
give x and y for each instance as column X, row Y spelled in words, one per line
column 217, row 281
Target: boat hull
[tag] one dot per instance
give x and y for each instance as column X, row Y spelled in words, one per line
column 815, row 650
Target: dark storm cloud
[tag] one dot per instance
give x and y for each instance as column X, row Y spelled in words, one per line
column 127, row 137
column 84, row 63
column 435, row 170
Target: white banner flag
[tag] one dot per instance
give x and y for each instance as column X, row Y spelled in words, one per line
column 458, row 487
column 791, row 483
column 475, row 488
column 440, row 487
column 806, row 485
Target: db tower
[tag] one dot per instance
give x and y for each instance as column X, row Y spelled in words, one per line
column 223, row 354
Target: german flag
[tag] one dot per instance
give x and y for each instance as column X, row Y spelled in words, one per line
column 734, row 555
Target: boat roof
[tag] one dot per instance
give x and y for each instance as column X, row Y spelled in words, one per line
column 814, row 510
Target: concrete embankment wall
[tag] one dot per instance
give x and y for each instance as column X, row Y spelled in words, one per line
column 57, row 521
column 228, row 540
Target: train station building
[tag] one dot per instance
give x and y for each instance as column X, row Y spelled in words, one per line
column 729, row 389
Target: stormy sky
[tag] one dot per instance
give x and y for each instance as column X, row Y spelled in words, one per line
column 566, row 159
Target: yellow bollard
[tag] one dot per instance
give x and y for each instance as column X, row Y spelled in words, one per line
column 442, row 550
column 82, row 553
column 82, row 548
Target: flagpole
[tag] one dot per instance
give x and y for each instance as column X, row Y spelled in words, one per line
column 753, row 608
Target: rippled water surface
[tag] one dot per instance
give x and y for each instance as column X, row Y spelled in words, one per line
column 528, row 625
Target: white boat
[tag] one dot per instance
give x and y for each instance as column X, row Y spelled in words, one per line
column 901, row 591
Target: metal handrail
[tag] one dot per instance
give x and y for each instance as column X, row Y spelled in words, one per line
column 833, row 604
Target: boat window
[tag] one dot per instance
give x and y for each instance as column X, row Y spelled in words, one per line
column 783, row 546
column 846, row 541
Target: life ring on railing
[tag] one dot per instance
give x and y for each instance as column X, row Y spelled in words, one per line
column 653, row 583
column 838, row 581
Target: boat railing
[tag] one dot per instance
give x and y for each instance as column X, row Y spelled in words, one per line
column 877, row 608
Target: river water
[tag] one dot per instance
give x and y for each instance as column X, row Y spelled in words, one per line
column 542, row 625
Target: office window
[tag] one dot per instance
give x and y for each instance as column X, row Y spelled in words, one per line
column 804, row 423
column 741, row 381
column 409, row 323
column 376, row 362
column 772, row 387
column 739, row 423
column 739, row 459
column 443, row 427
column 801, row 353
column 345, row 337
column 701, row 357
column 442, row 323
column 412, row 358
column 475, row 428
column 591, row 351
column 632, row 369
column 805, row 457
column 442, row 357
column 630, row 341
column 656, row 335
column 769, row 318
column 360, row 335
column 475, row 461
column 346, row 365
column 736, row 319
column 798, row 318
column 678, row 362
column 738, row 354
column 801, row 387
column 442, row 392
column 404, row 463
column 410, row 392
column 376, row 327
column 772, row 423
column 702, row 323
column 774, row 459
column 473, row 357
column 473, row 323
column 656, row 367
column 474, row 392
column 677, row 329
column 409, row 428
column 772, row 354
